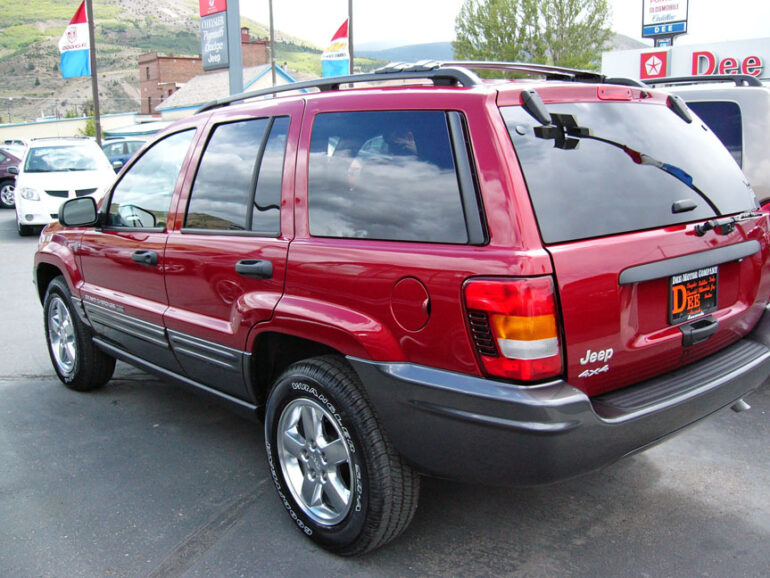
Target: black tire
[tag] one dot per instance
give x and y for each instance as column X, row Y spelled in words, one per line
column 6, row 194
column 24, row 230
column 79, row 364
column 382, row 489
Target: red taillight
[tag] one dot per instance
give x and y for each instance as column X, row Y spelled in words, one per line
column 514, row 327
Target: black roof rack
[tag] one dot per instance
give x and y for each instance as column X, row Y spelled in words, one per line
column 441, row 73
column 738, row 79
column 440, row 76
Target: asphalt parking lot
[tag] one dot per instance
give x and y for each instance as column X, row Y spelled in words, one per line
column 142, row 478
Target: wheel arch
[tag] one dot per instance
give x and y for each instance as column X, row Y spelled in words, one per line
column 272, row 352
column 44, row 274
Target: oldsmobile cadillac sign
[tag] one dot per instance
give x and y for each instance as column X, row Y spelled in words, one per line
column 664, row 17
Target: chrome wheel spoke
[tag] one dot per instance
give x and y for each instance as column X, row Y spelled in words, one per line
column 311, row 492
column 336, row 452
column 293, row 443
column 337, row 493
column 311, row 423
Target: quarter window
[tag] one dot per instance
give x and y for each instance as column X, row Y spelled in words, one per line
column 387, row 175
column 143, row 196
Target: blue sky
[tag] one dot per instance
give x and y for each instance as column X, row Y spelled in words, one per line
column 400, row 22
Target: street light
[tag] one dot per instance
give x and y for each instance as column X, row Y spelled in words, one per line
column 10, row 100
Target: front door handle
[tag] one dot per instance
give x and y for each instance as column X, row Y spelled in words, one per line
column 145, row 257
column 256, row 268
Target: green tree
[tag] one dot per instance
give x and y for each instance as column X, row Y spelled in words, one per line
column 562, row 32
column 89, row 129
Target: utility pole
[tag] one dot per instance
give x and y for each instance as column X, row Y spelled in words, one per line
column 350, row 34
column 272, row 42
column 94, row 81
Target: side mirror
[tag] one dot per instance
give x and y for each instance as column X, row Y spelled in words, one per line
column 13, row 170
column 117, row 165
column 78, row 212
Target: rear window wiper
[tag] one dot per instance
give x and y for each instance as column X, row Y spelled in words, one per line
column 725, row 225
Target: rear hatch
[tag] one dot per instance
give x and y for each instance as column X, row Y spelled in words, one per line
column 635, row 205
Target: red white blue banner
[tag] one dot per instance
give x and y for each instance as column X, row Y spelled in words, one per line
column 335, row 60
column 75, row 47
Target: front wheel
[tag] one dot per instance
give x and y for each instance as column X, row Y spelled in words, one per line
column 336, row 473
column 24, row 230
column 79, row 364
column 6, row 194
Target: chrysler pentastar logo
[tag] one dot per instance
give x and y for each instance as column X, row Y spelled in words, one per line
column 653, row 65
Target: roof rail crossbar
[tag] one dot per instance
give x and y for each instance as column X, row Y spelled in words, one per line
column 738, row 79
column 449, row 76
column 547, row 70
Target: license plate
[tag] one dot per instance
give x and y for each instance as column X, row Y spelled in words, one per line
column 692, row 294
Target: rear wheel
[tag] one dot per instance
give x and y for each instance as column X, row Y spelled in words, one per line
column 79, row 364
column 6, row 194
column 336, row 473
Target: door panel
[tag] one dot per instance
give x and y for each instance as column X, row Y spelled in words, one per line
column 123, row 263
column 225, row 265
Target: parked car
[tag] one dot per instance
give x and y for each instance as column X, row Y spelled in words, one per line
column 120, row 150
column 737, row 108
column 509, row 283
column 53, row 170
column 7, row 179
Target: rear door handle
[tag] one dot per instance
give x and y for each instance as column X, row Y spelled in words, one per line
column 145, row 257
column 256, row 268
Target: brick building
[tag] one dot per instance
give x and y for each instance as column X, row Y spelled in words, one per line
column 160, row 75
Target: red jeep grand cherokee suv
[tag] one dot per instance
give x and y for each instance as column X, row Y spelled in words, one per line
column 502, row 282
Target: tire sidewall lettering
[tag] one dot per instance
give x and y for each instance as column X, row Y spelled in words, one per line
column 292, row 389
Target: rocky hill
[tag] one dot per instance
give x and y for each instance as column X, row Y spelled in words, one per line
column 29, row 54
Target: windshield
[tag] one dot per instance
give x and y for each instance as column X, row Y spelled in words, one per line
column 623, row 170
column 55, row 159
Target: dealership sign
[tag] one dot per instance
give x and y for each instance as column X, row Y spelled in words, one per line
column 705, row 62
column 664, row 17
column 214, row 41
column 209, row 7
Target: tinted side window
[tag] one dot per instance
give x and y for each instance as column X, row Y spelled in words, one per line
column 143, row 196
column 241, row 167
column 225, row 180
column 724, row 118
column 386, row 175
column 266, row 214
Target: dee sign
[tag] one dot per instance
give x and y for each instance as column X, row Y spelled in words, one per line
column 734, row 57
column 706, row 62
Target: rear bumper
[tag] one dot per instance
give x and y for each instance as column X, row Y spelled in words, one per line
column 474, row 429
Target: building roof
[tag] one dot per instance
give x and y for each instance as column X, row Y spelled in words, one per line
column 207, row 87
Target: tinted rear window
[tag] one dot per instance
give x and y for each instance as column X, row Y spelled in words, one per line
column 387, row 175
column 724, row 118
column 628, row 180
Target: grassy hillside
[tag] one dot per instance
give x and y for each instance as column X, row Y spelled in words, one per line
column 29, row 55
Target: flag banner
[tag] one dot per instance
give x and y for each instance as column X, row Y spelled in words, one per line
column 75, row 47
column 335, row 60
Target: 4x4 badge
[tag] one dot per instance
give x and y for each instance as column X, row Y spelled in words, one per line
column 592, row 372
